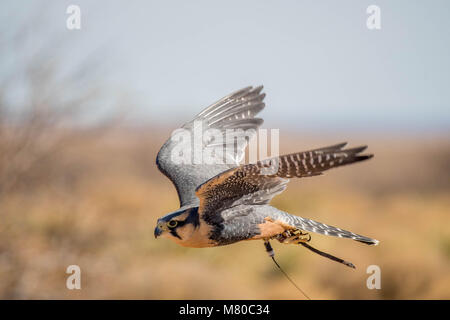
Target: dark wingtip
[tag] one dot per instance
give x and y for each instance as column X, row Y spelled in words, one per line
column 355, row 150
column 363, row 157
column 337, row 146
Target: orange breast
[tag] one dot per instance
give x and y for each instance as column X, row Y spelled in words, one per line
column 270, row 228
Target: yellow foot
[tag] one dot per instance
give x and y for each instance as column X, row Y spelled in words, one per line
column 293, row 237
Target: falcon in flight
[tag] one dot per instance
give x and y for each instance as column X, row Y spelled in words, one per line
column 224, row 202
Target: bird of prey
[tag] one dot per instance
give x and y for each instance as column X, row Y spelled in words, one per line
column 224, row 202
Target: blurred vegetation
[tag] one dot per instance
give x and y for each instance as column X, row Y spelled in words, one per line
column 90, row 195
column 95, row 205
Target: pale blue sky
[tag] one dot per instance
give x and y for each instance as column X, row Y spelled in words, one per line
column 320, row 65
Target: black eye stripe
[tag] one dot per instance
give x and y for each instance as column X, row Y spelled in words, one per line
column 175, row 234
column 180, row 223
column 191, row 218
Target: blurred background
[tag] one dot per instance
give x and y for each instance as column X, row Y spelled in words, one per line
column 84, row 112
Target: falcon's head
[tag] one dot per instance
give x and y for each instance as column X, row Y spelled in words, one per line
column 178, row 224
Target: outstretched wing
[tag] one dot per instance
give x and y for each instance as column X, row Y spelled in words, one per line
column 258, row 183
column 189, row 161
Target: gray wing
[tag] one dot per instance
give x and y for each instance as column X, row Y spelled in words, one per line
column 258, row 183
column 188, row 161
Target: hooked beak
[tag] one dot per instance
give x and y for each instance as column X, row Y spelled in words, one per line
column 158, row 231
column 160, row 228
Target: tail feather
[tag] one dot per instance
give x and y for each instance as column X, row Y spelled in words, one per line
column 322, row 228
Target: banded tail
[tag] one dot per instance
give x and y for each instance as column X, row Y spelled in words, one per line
column 322, row 228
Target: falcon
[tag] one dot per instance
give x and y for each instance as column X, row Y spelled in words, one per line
column 223, row 202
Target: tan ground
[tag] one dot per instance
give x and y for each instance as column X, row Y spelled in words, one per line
column 94, row 203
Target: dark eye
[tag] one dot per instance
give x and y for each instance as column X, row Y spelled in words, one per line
column 172, row 223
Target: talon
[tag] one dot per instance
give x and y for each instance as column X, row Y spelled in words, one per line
column 306, row 238
column 294, row 237
column 291, row 239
